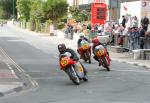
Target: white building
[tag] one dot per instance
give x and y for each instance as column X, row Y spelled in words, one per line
column 135, row 8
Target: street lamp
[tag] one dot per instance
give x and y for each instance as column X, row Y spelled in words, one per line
column 13, row 9
column 110, row 10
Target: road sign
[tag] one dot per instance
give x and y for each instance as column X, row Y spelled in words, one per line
column 98, row 13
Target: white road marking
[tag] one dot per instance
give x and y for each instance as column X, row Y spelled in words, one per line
column 34, row 83
column 12, row 71
column 137, row 71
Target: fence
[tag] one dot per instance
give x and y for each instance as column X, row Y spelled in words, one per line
column 123, row 41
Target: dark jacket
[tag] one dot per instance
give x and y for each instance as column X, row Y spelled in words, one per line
column 123, row 22
column 73, row 54
column 145, row 21
column 142, row 32
column 80, row 39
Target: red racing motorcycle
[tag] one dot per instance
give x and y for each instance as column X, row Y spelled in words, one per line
column 85, row 51
column 103, row 57
column 74, row 69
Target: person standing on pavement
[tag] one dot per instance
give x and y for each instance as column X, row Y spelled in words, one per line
column 137, row 38
column 89, row 26
column 70, row 28
column 142, row 36
column 123, row 21
column 145, row 23
column 128, row 33
column 131, row 38
column 134, row 22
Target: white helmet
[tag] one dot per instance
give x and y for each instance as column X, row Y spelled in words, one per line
column 81, row 34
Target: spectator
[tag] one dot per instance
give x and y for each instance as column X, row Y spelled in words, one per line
column 121, row 35
column 142, row 36
column 134, row 22
column 145, row 23
column 136, row 38
column 147, row 40
column 89, row 26
column 132, row 39
column 70, row 31
column 123, row 21
column 101, row 29
column 96, row 27
column 128, row 33
column 114, row 35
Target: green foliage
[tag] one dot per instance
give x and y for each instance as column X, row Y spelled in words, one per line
column 74, row 11
column 2, row 13
column 7, row 10
column 78, row 15
column 32, row 24
column 60, row 25
column 23, row 7
column 55, row 9
column 38, row 26
column 37, row 10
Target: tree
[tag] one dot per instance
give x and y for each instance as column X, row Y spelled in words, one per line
column 78, row 15
column 7, row 9
column 2, row 13
column 55, row 9
column 36, row 13
column 37, row 10
column 23, row 7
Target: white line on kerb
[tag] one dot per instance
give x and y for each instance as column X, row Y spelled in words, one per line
column 12, row 71
column 34, row 83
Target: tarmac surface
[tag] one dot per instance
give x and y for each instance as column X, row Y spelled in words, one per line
column 10, row 83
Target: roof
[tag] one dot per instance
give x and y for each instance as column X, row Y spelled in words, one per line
column 128, row 0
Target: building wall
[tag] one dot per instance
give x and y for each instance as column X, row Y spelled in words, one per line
column 70, row 2
column 136, row 8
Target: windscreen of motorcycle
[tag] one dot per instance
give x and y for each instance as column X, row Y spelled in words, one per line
column 84, row 44
column 97, row 48
column 67, row 54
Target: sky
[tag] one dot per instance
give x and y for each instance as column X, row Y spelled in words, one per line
column 70, row 2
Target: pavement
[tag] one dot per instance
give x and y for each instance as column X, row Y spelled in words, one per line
column 10, row 83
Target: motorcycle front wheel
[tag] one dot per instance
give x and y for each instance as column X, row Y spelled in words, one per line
column 73, row 76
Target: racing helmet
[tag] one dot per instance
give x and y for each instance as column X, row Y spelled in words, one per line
column 81, row 35
column 95, row 40
column 61, row 48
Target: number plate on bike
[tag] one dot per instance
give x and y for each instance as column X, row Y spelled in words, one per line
column 80, row 69
column 64, row 62
column 100, row 52
column 85, row 46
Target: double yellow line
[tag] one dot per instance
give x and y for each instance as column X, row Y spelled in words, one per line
column 33, row 82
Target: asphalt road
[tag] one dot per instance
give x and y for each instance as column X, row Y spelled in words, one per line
column 38, row 57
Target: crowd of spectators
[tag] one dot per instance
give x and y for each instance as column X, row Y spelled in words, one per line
column 134, row 37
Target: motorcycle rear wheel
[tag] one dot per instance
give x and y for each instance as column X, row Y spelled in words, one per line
column 106, row 64
column 87, row 57
column 85, row 78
